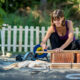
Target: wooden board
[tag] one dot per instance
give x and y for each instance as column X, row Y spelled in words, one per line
column 76, row 65
column 64, row 51
column 62, row 58
column 65, row 66
column 77, row 58
column 60, row 65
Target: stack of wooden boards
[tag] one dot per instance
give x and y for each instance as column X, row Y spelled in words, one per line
column 64, row 59
column 70, row 60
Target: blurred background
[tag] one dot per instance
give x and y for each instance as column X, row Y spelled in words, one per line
column 37, row 12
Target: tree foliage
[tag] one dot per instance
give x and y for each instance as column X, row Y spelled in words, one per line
column 43, row 8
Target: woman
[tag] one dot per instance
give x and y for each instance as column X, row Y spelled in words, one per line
column 60, row 33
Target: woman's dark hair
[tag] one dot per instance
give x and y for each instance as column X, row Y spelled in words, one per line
column 57, row 14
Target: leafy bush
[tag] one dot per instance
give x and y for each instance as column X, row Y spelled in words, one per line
column 30, row 20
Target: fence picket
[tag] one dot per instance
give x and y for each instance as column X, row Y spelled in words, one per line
column 31, row 38
column 3, row 40
column 43, row 32
column 26, row 39
column 14, row 38
column 77, row 32
column 48, row 42
column 20, row 39
column 37, row 35
column 9, row 38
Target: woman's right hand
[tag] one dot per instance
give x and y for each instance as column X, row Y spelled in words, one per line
column 43, row 45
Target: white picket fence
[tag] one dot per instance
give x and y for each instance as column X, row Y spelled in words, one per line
column 23, row 39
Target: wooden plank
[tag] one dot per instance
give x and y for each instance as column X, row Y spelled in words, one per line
column 64, row 51
column 62, row 58
column 60, row 66
column 77, row 57
column 65, row 66
column 76, row 65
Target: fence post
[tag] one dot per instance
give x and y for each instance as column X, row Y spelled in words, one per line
column 14, row 38
column 9, row 37
column 48, row 42
column 3, row 40
column 26, row 39
column 43, row 32
column 37, row 35
column 20, row 39
column 31, row 38
column 77, row 32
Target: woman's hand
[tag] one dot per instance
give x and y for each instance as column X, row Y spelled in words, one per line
column 43, row 45
column 58, row 49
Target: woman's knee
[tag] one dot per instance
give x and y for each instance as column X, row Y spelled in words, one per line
column 75, row 45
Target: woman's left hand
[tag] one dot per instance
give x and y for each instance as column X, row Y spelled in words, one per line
column 58, row 49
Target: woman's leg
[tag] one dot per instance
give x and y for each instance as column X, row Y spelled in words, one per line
column 75, row 45
column 55, row 41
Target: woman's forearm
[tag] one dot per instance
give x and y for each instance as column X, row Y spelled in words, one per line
column 66, row 43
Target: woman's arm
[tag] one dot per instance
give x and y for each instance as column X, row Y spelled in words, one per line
column 43, row 43
column 70, row 35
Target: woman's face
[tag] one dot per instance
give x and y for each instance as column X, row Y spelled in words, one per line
column 58, row 21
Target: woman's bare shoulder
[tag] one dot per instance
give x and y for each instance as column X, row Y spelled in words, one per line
column 70, row 24
column 69, row 21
